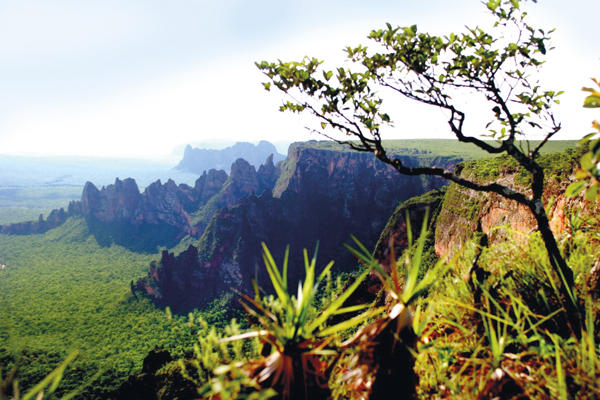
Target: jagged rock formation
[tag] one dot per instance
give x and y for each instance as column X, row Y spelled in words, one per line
column 200, row 160
column 164, row 213
column 320, row 195
column 113, row 203
column 317, row 194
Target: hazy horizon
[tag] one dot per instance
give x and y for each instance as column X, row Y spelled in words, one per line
column 137, row 79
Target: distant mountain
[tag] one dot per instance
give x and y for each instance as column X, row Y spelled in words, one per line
column 199, row 160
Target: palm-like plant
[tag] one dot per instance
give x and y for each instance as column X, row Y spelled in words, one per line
column 297, row 345
column 385, row 348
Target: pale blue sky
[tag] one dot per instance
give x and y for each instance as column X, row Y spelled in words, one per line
column 134, row 77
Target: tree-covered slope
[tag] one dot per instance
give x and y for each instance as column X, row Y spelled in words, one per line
column 62, row 291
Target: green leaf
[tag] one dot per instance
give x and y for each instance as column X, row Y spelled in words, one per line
column 342, row 326
column 575, row 188
column 592, row 192
column 541, row 46
column 285, row 266
column 586, row 161
column 352, row 309
column 337, row 303
column 275, row 276
column 560, row 375
column 493, row 5
column 592, row 101
column 267, row 86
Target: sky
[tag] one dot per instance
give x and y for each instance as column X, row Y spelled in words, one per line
column 136, row 78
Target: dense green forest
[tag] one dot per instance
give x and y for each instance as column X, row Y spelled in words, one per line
column 62, row 291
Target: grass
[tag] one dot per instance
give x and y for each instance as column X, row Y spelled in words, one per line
column 515, row 341
column 501, row 334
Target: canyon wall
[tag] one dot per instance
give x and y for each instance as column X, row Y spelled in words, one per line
column 321, row 196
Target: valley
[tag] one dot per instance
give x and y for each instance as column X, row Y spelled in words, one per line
column 119, row 272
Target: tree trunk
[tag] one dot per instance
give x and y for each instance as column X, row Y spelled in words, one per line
column 559, row 265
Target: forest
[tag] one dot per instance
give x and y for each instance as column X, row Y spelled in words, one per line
column 485, row 288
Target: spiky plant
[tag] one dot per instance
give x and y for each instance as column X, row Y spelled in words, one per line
column 384, row 349
column 298, row 347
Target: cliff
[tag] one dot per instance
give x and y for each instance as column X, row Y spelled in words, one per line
column 411, row 214
column 464, row 209
column 200, row 160
column 321, row 195
column 459, row 213
column 165, row 213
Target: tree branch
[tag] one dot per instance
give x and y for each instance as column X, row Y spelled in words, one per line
column 502, row 190
column 548, row 136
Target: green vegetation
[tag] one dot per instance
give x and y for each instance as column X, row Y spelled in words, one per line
column 495, row 327
column 18, row 204
column 442, row 147
column 515, row 320
column 292, row 334
column 589, row 173
column 412, row 213
column 47, row 386
column 63, row 291
column 507, row 334
column 557, row 167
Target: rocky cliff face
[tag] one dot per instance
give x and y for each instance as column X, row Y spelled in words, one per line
column 164, row 213
column 321, row 195
column 463, row 210
column 411, row 213
column 199, row 160
column 117, row 202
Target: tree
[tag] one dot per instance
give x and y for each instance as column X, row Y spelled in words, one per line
column 498, row 66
